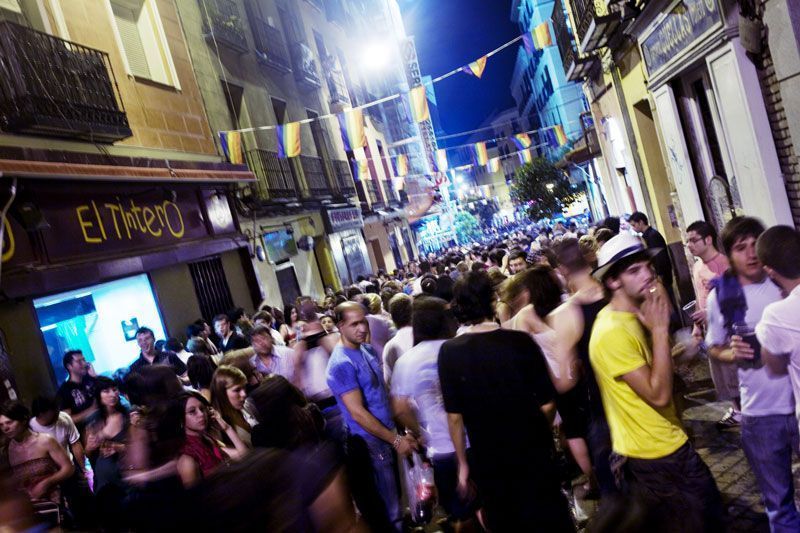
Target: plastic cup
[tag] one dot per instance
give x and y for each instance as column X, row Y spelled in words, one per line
column 748, row 335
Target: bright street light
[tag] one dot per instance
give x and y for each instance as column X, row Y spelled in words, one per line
column 550, row 187
column 459, row 178
column 375, row 56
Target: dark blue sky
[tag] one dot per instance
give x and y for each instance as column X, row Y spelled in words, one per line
column 450, row 33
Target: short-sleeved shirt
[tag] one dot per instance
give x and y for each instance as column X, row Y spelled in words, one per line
column 164, row 357
column 63, row 430
column 703, row 274
column 416, row 376
column 282, row 363
column 639, row 430
column 498, row 381
column 762, row 393
column 779, row 333
column 349, row 370
column 76, row 397
column 402, row 342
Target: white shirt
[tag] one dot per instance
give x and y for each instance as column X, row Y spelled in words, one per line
column 282, row 362
column 63, row 430
column 277, row 338
column 763, row 393
column 778, row 331
column 416, row 376
column 402, row 342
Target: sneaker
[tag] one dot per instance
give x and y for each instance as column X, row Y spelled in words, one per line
column 732, row 419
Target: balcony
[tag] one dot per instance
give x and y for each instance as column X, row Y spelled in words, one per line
column 344, row 179
column 314, row 171
column 52, row 87
column 273, row 174
column 575, row 67
column 391, row 194
column 336, row 86
column 223, row 24
column 336, row 12
column 305, row 67
column 595, row 23
column 375, row 198
column 270, row 46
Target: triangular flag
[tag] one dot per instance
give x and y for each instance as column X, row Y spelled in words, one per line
column 525, row 156
column 521, row 140
column 481, row 155
column 441, row 160
column 288, row 136
column 556, row 136
column 476, row 67
column 538, row 38
column 361, row 169
column 231, row 142
column 494, row 165
column 351, row 126
column 401, row 165
column 419, row 103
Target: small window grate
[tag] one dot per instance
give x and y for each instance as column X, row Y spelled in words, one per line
column 211, row 287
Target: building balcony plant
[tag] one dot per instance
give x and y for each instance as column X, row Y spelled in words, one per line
column 223, row 24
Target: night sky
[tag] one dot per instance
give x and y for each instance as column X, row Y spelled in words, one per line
column 453, row 33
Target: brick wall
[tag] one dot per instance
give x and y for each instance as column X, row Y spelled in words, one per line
column 776, row 111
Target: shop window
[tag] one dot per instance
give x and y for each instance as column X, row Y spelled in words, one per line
column 101, row 321
column 141, row 38
column 211, row 287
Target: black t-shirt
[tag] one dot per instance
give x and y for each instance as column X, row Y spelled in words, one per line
column 235, row 342
column 661, row 261
column 498, row 381
column 164, row 357
column 76, row 397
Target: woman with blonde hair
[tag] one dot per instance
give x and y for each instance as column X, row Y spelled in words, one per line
column 228, row 397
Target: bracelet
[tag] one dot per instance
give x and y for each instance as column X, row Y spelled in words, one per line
column 397, row 440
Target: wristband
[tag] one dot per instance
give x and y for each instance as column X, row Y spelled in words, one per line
column 397, row 440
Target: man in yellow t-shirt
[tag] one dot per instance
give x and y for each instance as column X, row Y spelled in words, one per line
column 630, row 354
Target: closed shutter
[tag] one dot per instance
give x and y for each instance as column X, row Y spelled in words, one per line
column 127, row 25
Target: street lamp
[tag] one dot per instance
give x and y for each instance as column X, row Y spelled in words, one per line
column 550, row 187
column 375, row 56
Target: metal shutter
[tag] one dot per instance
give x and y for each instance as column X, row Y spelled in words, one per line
column 211, row 287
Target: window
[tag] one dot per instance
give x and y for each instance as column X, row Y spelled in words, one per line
column 234, row 96
column 141, row 38
column 279, row 107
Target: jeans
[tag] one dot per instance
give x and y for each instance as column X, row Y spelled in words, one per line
column 768, row 443
column 373, row 478
column 598, row 438
column 678, row 485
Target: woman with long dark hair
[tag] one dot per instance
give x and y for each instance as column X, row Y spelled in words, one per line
column 290, row 317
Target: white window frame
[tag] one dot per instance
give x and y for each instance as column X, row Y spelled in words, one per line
column 150, row 10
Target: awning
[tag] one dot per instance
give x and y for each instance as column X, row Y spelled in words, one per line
column 116, row 173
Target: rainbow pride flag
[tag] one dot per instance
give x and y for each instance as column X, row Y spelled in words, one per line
column 441, row 160
column 556, row 136
column 494, row 165
column 361, row 169
column 351, row 126
column 231, row 142
column 538, row 38
column 288, row 136
column 525, row 156
column 476, row 67
column 419, row 104
column 401, row 165
column 481, row 155
column 521, row 140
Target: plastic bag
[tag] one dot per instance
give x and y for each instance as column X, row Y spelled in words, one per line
column 420, row 488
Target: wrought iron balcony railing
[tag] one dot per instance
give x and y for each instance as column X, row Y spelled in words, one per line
column 595, row 23
column 344, row 179
column 336, row 86
column 49, row 86
column 273, row 174
column 314, row 171
column 270, row 46
column 223, row 24
column 576, row 67
column 305, row 66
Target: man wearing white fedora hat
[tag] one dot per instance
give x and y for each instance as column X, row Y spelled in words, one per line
column 630, row 354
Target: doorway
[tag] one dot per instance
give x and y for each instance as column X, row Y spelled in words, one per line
column 378, row 253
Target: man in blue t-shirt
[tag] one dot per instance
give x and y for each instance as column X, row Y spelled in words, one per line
column 355, row 377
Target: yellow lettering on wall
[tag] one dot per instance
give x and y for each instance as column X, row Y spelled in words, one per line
column 150, row 217
column 85, row 224
column 8, row 242
column 176, row 234
column 99, row 221
column 114, row 208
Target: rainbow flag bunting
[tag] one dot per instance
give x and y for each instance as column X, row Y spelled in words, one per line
column 481, row 155
column 538, row 38
column 401, row 165
column 525, row 156
column 476, row 67
column 556, row 136
column 494, row 165
column 351, row 125
column 288, row 140
column 419, row 104
column 231, row 142
column 522, row 141
column 441, row 160
column 361, row 171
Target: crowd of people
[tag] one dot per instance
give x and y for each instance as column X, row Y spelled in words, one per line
column 513, row 368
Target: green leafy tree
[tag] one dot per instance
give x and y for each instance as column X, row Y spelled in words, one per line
column 467, row 227
column 543, row 188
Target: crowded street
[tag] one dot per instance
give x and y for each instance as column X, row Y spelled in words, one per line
column 400, row 266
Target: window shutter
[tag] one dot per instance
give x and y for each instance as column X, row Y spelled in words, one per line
column 127, row 24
